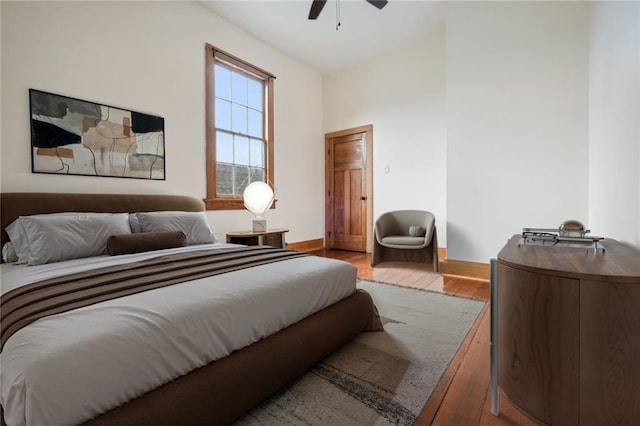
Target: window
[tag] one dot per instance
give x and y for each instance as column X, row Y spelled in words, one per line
column 239, row 128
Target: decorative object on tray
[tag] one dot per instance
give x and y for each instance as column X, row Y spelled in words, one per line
column 570, row 233
column 77, row 137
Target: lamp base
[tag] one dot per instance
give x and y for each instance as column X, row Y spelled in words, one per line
column 259, row 225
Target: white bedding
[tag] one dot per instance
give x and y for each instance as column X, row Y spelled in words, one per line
column 71, row 367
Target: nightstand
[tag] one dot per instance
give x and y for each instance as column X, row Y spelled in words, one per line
column 270, row 237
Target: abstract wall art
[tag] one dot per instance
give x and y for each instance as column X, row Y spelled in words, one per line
column 76, row 137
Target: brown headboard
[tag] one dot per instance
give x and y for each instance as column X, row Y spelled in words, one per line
column 14, row 204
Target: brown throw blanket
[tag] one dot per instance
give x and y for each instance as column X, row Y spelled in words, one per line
column 30, row 302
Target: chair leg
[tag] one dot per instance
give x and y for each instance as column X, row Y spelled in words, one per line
column 375, row 253
column 434, row 242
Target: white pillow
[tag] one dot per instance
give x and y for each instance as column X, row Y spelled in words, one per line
column 18, row 236
column 19, row 240
column 194, row 225
column 54, row 237
column 134, row 223
column 8, row 253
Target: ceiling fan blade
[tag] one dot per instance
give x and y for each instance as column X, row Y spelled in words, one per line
column 378, row 3
column 316, row 8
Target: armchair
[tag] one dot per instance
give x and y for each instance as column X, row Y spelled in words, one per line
column 396, row 239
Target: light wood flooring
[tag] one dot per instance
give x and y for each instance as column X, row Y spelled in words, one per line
column 462, row 396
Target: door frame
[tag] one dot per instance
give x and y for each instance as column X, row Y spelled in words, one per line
column 368, row 130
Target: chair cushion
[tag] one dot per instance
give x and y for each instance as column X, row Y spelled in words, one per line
column 417, row 231
column 403, row 240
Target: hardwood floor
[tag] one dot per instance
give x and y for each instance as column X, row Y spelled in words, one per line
column 462, row 395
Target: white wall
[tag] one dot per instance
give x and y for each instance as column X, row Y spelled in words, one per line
column 513, row 79
column 149, row 56
column 517, row 121
column 614, row 111
column 402, row 94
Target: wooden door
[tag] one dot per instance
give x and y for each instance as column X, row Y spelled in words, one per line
column 348, row 189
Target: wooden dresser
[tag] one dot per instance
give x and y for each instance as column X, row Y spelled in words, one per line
column 568, row 332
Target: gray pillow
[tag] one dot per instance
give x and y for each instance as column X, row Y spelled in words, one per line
column 53, row 238
column 9, row 254
column 19, row 240
column 417, row 231
column 194, row 225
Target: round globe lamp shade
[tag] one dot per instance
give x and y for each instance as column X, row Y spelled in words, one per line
column 258, row 197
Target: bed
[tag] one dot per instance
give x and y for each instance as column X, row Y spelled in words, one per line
column 226, row 381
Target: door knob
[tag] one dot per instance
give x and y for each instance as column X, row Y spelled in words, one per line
column 363, row 198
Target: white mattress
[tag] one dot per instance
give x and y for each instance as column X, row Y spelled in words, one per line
column 71, row 367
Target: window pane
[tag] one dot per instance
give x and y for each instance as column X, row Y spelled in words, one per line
column 257, row 174
column 242, row 179
column 224, row 179
column 255, row 94
column 239, row 88
column 255, row 123
column 241, row 150
column 224, row 147
column 239, row 118
column 257, row 153
column 223, row 82
column 223, row 114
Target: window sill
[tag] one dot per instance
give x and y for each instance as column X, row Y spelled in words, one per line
column 223, row 204
column 228, row 204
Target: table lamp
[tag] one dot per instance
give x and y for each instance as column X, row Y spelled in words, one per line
column 258, row 197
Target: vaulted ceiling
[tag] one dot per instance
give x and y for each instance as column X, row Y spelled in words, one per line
column 364, row 30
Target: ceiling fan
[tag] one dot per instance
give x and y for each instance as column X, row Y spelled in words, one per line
column 317, row 5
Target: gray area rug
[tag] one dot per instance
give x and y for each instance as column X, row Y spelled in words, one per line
column 379, row 378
